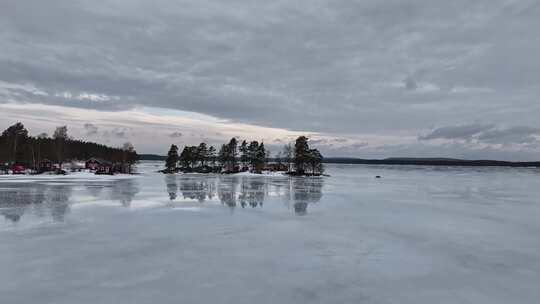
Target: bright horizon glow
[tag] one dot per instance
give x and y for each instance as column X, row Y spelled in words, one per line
column 153, row 130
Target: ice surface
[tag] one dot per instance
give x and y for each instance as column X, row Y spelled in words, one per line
column 417, row 235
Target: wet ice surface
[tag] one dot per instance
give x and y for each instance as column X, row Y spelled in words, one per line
column 418, row 235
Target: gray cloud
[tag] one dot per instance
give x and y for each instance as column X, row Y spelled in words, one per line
column 465, row 132
column 451, row 150
column 90, row 129
column 175, row 135
column 410, row 84
column 119, row 132
column 513, row 135
column 487, row 134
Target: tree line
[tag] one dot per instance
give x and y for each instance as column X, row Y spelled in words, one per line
column 236, row 156
column 17, row 147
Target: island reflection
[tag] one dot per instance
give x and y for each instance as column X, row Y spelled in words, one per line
column 246, row 191
column 54, row 201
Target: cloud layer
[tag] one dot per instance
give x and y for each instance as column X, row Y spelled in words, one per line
column 488, row 134
column 368, row 71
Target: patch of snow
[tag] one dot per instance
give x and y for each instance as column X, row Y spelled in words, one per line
column 71, row 176
column 263, row 173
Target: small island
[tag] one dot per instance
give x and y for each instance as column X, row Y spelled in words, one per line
column 21, row 153
column 246, row 157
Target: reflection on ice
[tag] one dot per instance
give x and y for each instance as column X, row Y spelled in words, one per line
column 245, row 191
column 53, row 199
column 59, row 201
column 15, row 200
column 434, row 236
column 124, row 191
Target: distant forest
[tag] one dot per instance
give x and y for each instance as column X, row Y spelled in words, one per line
column 17, row 147
column 236, row 156
column 442, row 162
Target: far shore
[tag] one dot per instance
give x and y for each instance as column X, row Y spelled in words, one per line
column 445, row 162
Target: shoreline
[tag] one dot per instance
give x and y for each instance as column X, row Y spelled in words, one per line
column 449, row 162
column 433, row 162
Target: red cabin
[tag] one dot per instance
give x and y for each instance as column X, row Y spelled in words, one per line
column 94, row 164
column 46, row 166
column 18, row 169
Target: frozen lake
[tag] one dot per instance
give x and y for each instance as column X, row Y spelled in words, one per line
column 418, row 235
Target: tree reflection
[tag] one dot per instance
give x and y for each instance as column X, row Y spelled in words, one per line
column 58, row 199
column 249, row 191
column 13, row 213
column 172, row 186
column 306, row 191
column 227, row 191
column 15, row 199
column 94, row 190
column 125, row 191
column 194, row 188
column 55, row 199
column 252, row 192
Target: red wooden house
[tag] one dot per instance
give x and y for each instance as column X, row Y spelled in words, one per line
column 18, row 169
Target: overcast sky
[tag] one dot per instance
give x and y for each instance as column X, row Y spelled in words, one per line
column 365, row 78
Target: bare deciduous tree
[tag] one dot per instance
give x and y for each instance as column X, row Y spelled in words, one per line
column 60, row 137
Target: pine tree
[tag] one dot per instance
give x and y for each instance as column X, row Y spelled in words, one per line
column 188, row 157
column 260, row 158
column 15, row 139
column 244, row 156
column 202, row 153
column 60, row 137
column 223, row 156
column 252, row 153
column 233, row 153
column 315, row 162
column 212, row 156
column 301, row 154
column 172, row 159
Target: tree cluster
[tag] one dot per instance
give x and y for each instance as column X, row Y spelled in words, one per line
column 18, row 147
column 230, row 158
column 307, row 160
column 253, row 154
column 247, row 156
